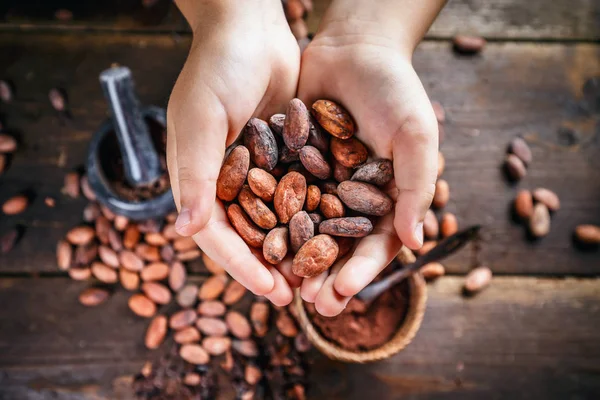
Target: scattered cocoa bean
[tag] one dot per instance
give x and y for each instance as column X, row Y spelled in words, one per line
column 108, row 256
column 107, row 213
column 8, row 144
column 104, row 273
column 478, row 279
column 86, row 254
column 233, row 293
column 316, row 256
column 539, row 223
column 238, row 325
column 588, row 234
column 285, row 324
column 147, row 252
column 248, row 231
column 276, row 123
column 350, row 153
column 296, row 125
column 333, row 118
column 114, row 239
column 131, row 237
column 275, row 246
column 169, row 232
column 289, row 196
column 233, row 173
column 262, row 184
column 212, row 326
column 71, row 185
column 331, row 206
column 187, row 296
column 216, row 345
column 15, row 205
column 466, row 44
column 156, row 332
column 177, row 276
column 129, row 280
column 515, row 169
column 64, row 255
column 156, row 271
column 212, row 308
column 301, row 229
column 449, row 225
column 347, row 227
column 364, row 198
column 102, row 227
column 442, row 194
column 431, row 225
column 212, row 287
column 187, row 335
column 92, row 297
column 191, row 378
column 182, row 319
column 548, row 198
column 131, row 261
column 261, row 144
column 252, row 374
column 167, row 253
column 314, row 162
column 80, row 273
column 524, row 204
column 157, row 292
column 194, row 354
column 246, row 347
column 256, row 209
column 313, row 198
column 520, row 148
column 432, row 271
column 427, row 246
column 259, row 316
column 141, row 305
column 378, row 173
column 152, row 238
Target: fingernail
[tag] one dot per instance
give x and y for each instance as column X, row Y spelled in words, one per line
column 183, row 219
column 419, row 233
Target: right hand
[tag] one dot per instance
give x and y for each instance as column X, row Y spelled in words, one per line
column 243, row 62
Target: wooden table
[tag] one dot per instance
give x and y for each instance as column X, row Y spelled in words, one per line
column 533, row 334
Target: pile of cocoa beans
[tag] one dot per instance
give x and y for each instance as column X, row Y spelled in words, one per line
column 303, row 184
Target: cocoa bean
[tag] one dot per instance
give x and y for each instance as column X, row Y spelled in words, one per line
column 296, row 125
column 520, row 148
column 431, row 227
column 515, row 169
column 91, row 212
column 156, row 332
column 131, row 261
column 468, row 44
column 350, row 153
column 107, row 213
column 233, row 293
column 147, row 252
column 285, row 324
column 114, row 239
column 233, row 173
column 341, row 173
column 212, row 266
column 153, row 238
column 329, row 187
column 177, row 276
column 378, row 173
column 169, row 232
column 8, row 144
column 345, row 244
column 108, row 256
column 252, row 374
column 478, row 279
column 184, row 244
column 439, row 112
column 314, row 162
column 289, row 196
column 15, row 205
column 212, row 326
column 588, row 234
column 57, row 99
column 187, row 296
column 248, row 231
column 246, row 347
column 71, row 185
column 131, row 237
column 212, row 287
column 167, row 253
column 141, row 305
column 548, row 198
column 313, row 197
column 86, row 189
column 287, row 156
column 262, row 184
column 212, row 308
column 102, row 227
column 316, row 256
column 331, row 206
column 80, row 273
column 442, row 194
column 524, row 204
column 261, row 144
column 85, row 254
column 129, row 280
column 92, row 297
column 427, row 246
column 182, row 319
column 156, row 271
column 347, row 227
column 317, row 136
column 187, row 335
column 301, row 229
column 432, row 271
column 194, row 354
column 104, row 273
column 441, row 164
column 191, row 378
column 238, row 325
column 64, row 255
column 259, row 316
column 275, row 246
column 449, row 225
column 215, row 345
column 333, row 118
column 148, row 226
column 157, row 292
column 539, row 223
column 276, row 123
column 364, row 198
column 189, row 255
column 256, row 209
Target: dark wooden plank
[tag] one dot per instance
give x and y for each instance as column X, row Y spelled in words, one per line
column 522, row 338
column 511, row 89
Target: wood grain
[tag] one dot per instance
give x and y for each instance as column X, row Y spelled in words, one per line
column 521, row 338
column 534, row 90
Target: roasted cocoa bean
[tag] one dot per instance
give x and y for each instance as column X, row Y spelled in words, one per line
column 350, row 153
column 252, row 374
column 333, row 118
column 233, row 293
column 156, row 332
column 285, row 324
column 156, row 271
column 129, row 280
column 331, row 206
column 256, row 209
column 548, row 198
column 152, row 238
column 514, row 167
column 187, row 296
column 262, row 184
column 378, row 173
column 246, row 347
column 329, row 187
column 539, row 223
column 431, row 226
column 212, row 287
column 524, row 204
column 64, row 255
column 588, row 234
column 91, row 212
column 427, row 246
column 449, row 225
column 177, row 276
column 276, row 123
column 57, row 99
column 141, row 305
column 108, row 256
column 341, row 173
column 182, row 319
column 86, row 189
column 187, row 335
column 248, row 231
column 313, row 197
column 442, row 194
column 15, row 205
column 212, row 308
column 520, row 148
column 8, row 144
column 296, row 125
column 102, row 227
column 316, row 256
column 215, row 345
column 261, row 144
column 212, row 326
column 314, row 162
column 86, row 254
column 131, row 237
column 432, row 270
column 92, row 297
column 189, row 255
column 275, row 246
column 259, row 316
column 157, row 292
column 478, row 279
column 289, row 196
column 364, row 198
column 233, row 173
column 104, row 273
column 194, row 354
column 468, row 44
column 301, row 229
column 147, row 252
column 346, row 227
column 238, row 325
column 131, row 261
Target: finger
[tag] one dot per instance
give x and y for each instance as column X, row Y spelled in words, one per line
column 285, row 267
column 311, row 286
column 282, row 294
column 373, row 253
column 198, row 122
column 329, row 302
column 225, row 247
column 415, row 148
